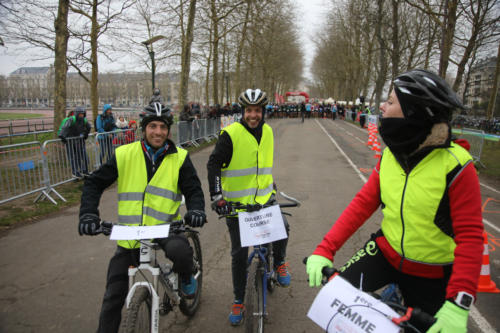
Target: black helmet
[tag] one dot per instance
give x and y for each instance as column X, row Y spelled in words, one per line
column 425, row 95
column 80, row 110
column 253, row 97
column 156, row 91
column 156, row 111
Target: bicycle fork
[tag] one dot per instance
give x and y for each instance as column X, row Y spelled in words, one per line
column 261, row 251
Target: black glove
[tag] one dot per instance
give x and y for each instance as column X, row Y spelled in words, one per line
column 195, row 218
column 220, row 205
column 88, row 225
column 63, row 139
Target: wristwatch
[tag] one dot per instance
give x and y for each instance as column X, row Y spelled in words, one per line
column 464, row 300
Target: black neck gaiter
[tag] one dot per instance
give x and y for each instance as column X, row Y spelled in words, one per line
column 403, row 136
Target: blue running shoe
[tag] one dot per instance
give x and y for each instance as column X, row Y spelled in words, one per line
column 237, row 312
column 283, row 276
column 188, row 287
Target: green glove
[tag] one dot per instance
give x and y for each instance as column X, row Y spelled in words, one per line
column 314, row 266
column 450, row 319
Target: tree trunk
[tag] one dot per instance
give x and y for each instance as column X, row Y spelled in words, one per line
column 94, row 80
column 215, row 54
column 207, row 76
column 240, row 52
column 494, row 92
column 395, row 39
column 60, row 65
column 223, row 67
column 187, row 40
column 478, row 21
column 380, row 81
column 448, row 31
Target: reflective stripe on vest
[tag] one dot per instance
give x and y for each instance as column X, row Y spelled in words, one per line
column 140, row 203
column 248, row 177
column 410, row 204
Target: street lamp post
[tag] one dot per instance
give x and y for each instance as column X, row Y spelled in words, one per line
column 149, row 46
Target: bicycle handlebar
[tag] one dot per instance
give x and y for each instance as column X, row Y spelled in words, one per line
column 417, row 316
column 256, row 207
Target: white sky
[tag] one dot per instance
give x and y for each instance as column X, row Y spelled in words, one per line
column 310, row 18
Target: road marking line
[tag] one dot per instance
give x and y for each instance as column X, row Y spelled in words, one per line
column 497, row 229
column 480, row 321
column 490, row 188
column 349, row 133
column 363, row 178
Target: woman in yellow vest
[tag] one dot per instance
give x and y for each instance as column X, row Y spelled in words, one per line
column 152, row 176
column 240, row 170
column 430, row 242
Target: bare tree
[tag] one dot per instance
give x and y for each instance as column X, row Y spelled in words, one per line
column 100, row 19
column 494, row 92
column 187, row 40
column 60, row 64
column 483, row 23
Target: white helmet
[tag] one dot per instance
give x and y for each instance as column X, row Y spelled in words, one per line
column 253, row 97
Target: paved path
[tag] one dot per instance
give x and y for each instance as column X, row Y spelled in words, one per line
column 52, row 280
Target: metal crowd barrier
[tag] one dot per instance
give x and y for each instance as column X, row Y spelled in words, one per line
column 21, row 170
column 32, row 167
column 476, row 140
column 198, row 130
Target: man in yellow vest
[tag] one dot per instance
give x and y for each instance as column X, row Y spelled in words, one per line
column 431, row 239
column 240, row 170
column 152, row 176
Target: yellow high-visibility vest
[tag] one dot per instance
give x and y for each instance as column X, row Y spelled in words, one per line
column 143, row 203
column 411, row 202
column 248, row 177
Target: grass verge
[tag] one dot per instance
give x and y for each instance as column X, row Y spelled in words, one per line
column 23, row 210
column 14, row 116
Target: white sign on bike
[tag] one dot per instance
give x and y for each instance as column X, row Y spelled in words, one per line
column 261, row 227
column 124, row 232
column 340, row 307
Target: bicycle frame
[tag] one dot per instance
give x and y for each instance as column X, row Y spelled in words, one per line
column 147, row 262
column 260, row 252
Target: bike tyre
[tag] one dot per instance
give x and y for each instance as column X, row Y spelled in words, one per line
column 254, row 300
column 189, row 306
column 138, row 315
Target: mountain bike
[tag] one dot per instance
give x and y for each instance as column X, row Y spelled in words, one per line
column 406, row 318
column 261, row 275
column 154, row 289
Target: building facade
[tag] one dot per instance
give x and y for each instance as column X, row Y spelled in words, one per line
column 478, row 87
column 34, row 87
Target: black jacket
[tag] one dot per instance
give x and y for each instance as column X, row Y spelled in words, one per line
column 221, row 157
column 75, row 127
column 105, row 176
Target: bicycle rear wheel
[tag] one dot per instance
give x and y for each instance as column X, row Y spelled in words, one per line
column 138, row 316
column 189, row 306
column 255, row 299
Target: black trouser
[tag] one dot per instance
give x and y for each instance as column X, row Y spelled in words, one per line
column 239, row 256
column 77, row 155
column 370, row 266
column 178, row 251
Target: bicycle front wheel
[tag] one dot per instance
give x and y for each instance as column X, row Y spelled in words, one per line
column 189, row 306
column 138, row 316
column 255, row 299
